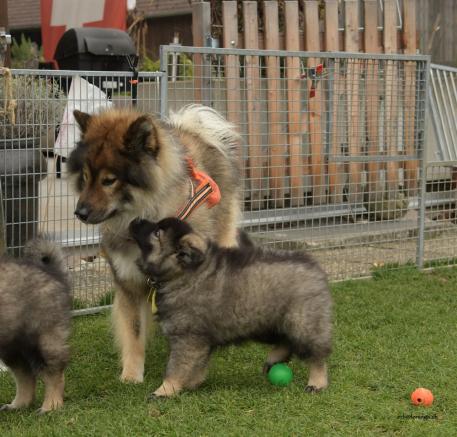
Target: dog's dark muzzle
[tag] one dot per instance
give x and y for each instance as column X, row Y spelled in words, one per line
column 82, row 212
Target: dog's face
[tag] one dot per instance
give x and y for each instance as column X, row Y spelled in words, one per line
column 168, row 248
column 112, row 162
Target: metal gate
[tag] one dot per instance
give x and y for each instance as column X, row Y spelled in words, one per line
column 333, row 146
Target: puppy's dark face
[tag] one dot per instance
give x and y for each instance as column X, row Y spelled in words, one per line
column 169, row 248
column 112, row 163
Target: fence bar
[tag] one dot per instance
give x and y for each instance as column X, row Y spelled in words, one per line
column 301, row 54
column 164, row 83
column 423, row 108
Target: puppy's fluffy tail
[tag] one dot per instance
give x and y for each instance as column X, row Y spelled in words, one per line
column 45, row 252
column 209, row 125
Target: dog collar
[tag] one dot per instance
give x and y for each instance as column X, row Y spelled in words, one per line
column 203, row 190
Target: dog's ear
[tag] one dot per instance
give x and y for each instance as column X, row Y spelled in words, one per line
column 82, row 119
column 142, row 136
column 191, row 250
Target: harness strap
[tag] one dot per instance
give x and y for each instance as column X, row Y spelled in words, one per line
column 195, row 201
column 207, row 191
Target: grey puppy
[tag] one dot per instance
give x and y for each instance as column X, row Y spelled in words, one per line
column 208, row 296
column 35, row 304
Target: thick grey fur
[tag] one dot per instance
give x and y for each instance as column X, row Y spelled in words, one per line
column 208, row 296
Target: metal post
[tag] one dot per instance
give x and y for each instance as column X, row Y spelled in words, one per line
column 2, row 224
column 330, row 92
column 423, row 171
column 163, row 82
column 329, row 115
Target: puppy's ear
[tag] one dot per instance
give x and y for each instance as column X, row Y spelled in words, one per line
column 142, row 136
column 82, row 119
column 141, row 230
column 191, row 250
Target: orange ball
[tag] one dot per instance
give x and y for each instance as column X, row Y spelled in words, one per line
column 422, row 396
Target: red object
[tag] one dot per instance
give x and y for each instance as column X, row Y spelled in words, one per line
column 202, row 178
column 422, row 396
column 319, row 69
column 57, row 16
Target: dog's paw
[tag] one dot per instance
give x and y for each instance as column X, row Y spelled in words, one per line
column 312, row 389
column 129, row 378
column 6, row 407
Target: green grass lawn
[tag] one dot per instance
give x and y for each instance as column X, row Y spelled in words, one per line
column 391, row 334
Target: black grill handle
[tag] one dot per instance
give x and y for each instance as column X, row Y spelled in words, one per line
column 133, row 63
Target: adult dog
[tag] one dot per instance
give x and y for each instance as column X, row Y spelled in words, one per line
column 130, row 165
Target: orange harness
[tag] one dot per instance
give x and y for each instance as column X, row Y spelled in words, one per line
column 205, row 191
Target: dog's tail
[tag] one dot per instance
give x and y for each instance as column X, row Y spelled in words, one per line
column 211, row 126
column 46, row 253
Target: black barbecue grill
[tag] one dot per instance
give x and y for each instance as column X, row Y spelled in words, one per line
column 98, row 49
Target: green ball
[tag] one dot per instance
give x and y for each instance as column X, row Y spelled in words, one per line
column 280, row 374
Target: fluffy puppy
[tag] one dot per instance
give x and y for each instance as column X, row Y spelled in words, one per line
column 209, row 296
column 35, row 306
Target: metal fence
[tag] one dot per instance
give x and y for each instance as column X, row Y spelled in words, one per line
column 37, row 133
column 333, row 150
column 443, row 104
column 333, row 155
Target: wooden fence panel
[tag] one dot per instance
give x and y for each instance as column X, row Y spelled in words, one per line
column 371, row 45
column 371, row 106
column 292, row 36
column 335, row 169
column 409, row 40
column 201, row 26
column 315, row 106
column 256, row 156
column 232, row 62
column 351, row 44
column 391, row 93
column 277, row 139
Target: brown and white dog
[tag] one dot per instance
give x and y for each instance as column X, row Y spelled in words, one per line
column 130, row 165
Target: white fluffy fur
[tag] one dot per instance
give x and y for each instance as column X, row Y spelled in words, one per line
column 209, row 125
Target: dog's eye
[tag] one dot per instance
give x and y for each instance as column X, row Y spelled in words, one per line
column 157, row 233
column 108, row 181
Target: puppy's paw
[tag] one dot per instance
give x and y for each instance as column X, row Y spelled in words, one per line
column 266, row 368
column 7, row 407
column 168, row 389
column 153, row 397
column 49, row 406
